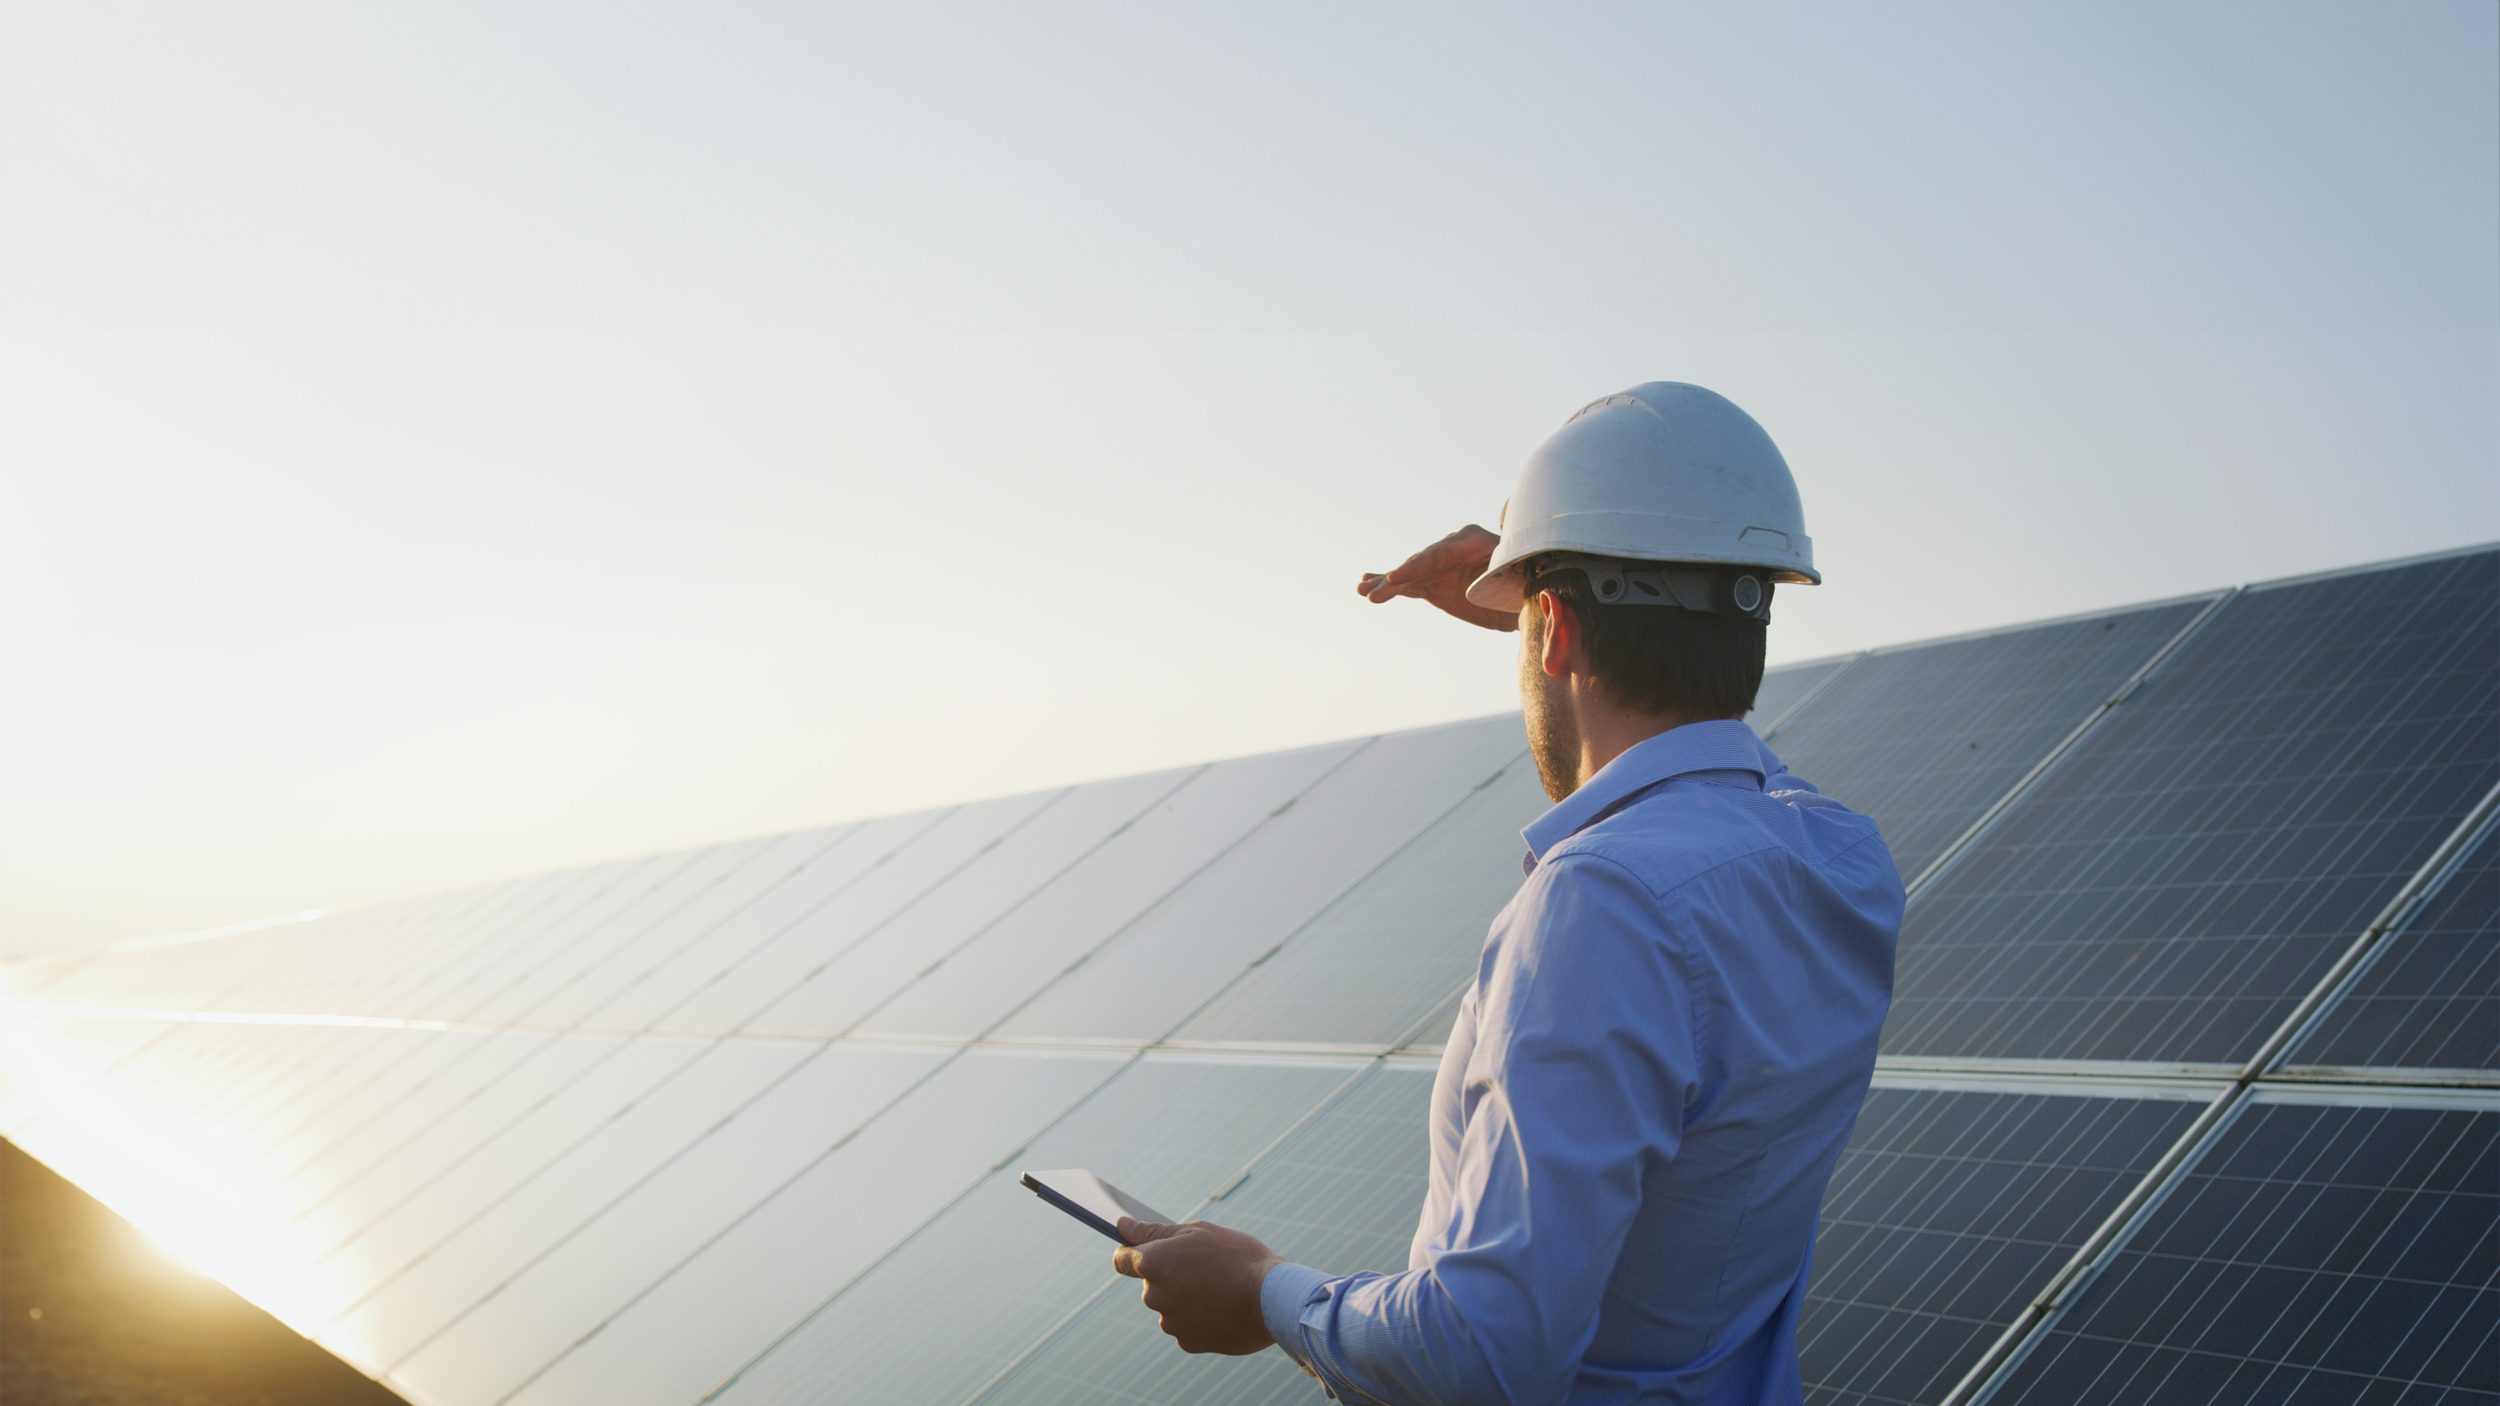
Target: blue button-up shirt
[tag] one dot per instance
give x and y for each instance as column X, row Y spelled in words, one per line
column 1670, row 1031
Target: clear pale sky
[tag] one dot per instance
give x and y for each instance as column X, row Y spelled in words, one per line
column 441, row 442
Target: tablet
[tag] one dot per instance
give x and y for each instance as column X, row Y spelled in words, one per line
column 1090, row 1199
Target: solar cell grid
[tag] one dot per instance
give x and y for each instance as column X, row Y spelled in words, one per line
column 956, row 903
column 2430, row 996
column 1343, row 1194
column 681, row 1205
column 917, row 1330
column 1785, row 687
column 907, row 860
column 712, row 1314
column 719, row 953
column 1383, row 958
column 1146, row 980
column 970, row 989
column 2178, row 883
column 1925, row 739
column 2315, row 1253
column 416, row 1265
column 1950, row 1210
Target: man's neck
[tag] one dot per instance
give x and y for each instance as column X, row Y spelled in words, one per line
column 1608, row 730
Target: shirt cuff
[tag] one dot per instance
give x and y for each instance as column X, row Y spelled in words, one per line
column 1283, row 1294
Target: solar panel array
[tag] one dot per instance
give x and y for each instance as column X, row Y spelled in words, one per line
column 2189, row 1091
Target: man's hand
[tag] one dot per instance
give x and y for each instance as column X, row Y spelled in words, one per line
column 1441, row 574
column 1203, row 1282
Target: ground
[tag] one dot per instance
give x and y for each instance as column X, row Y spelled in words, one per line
column 92, row 1314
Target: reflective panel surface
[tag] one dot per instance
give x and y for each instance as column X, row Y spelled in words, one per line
column 2175, row 886
column 961, row 902
column 917, row 1329
column 972, row 988
column 632, row 1135
column 906, row 858
column 669, row 1215
column 714, row 1313
column 2430, row 997
column 1925, row 739
column 2314, row 1254
column 1948, row 1212
column 1157, row 972
column 1343, row 1195
column 1382, row 959
column 1785, row 687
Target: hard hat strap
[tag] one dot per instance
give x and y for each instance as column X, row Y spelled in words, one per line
column 1738, row 592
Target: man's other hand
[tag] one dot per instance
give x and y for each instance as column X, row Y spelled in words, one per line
column 1202, row 1281
column 1441, row 574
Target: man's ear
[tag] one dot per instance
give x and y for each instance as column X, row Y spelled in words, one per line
column 1562, row 634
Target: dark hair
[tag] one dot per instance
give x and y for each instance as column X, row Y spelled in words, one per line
column 1660, row 659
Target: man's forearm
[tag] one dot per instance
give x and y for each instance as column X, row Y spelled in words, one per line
column 1378, row 1340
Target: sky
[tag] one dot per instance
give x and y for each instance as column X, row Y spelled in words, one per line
column 452, row 441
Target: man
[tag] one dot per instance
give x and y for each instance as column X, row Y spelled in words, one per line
column 1674, row 1021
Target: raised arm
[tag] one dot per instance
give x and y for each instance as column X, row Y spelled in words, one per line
column 1440, row 575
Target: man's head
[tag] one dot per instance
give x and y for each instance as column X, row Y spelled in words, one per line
column 1592, row 669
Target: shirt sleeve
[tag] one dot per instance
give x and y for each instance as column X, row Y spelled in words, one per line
column 1585, row 1061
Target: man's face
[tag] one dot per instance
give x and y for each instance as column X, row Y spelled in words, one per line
column 1553, row 733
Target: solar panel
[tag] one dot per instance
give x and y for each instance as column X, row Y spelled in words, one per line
column 1343, row 1195
column 686, row 1332
column 2173, row 888
column 1952, row 1207
column 2318, row 1251
column 2430, row 996
column 970, row 989
column 1154, row 974
column 1384, row 957
column 706, row 1120
column 917, row 1330
column 1926, row 738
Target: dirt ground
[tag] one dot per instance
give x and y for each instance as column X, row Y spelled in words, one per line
column 92, row 1314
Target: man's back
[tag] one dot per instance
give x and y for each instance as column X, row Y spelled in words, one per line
column 1770, row 919
column 1665, row 1047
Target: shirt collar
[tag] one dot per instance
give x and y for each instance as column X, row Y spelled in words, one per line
column 1724, row 744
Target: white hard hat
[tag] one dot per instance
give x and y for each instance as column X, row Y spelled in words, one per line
column 1664, row 472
